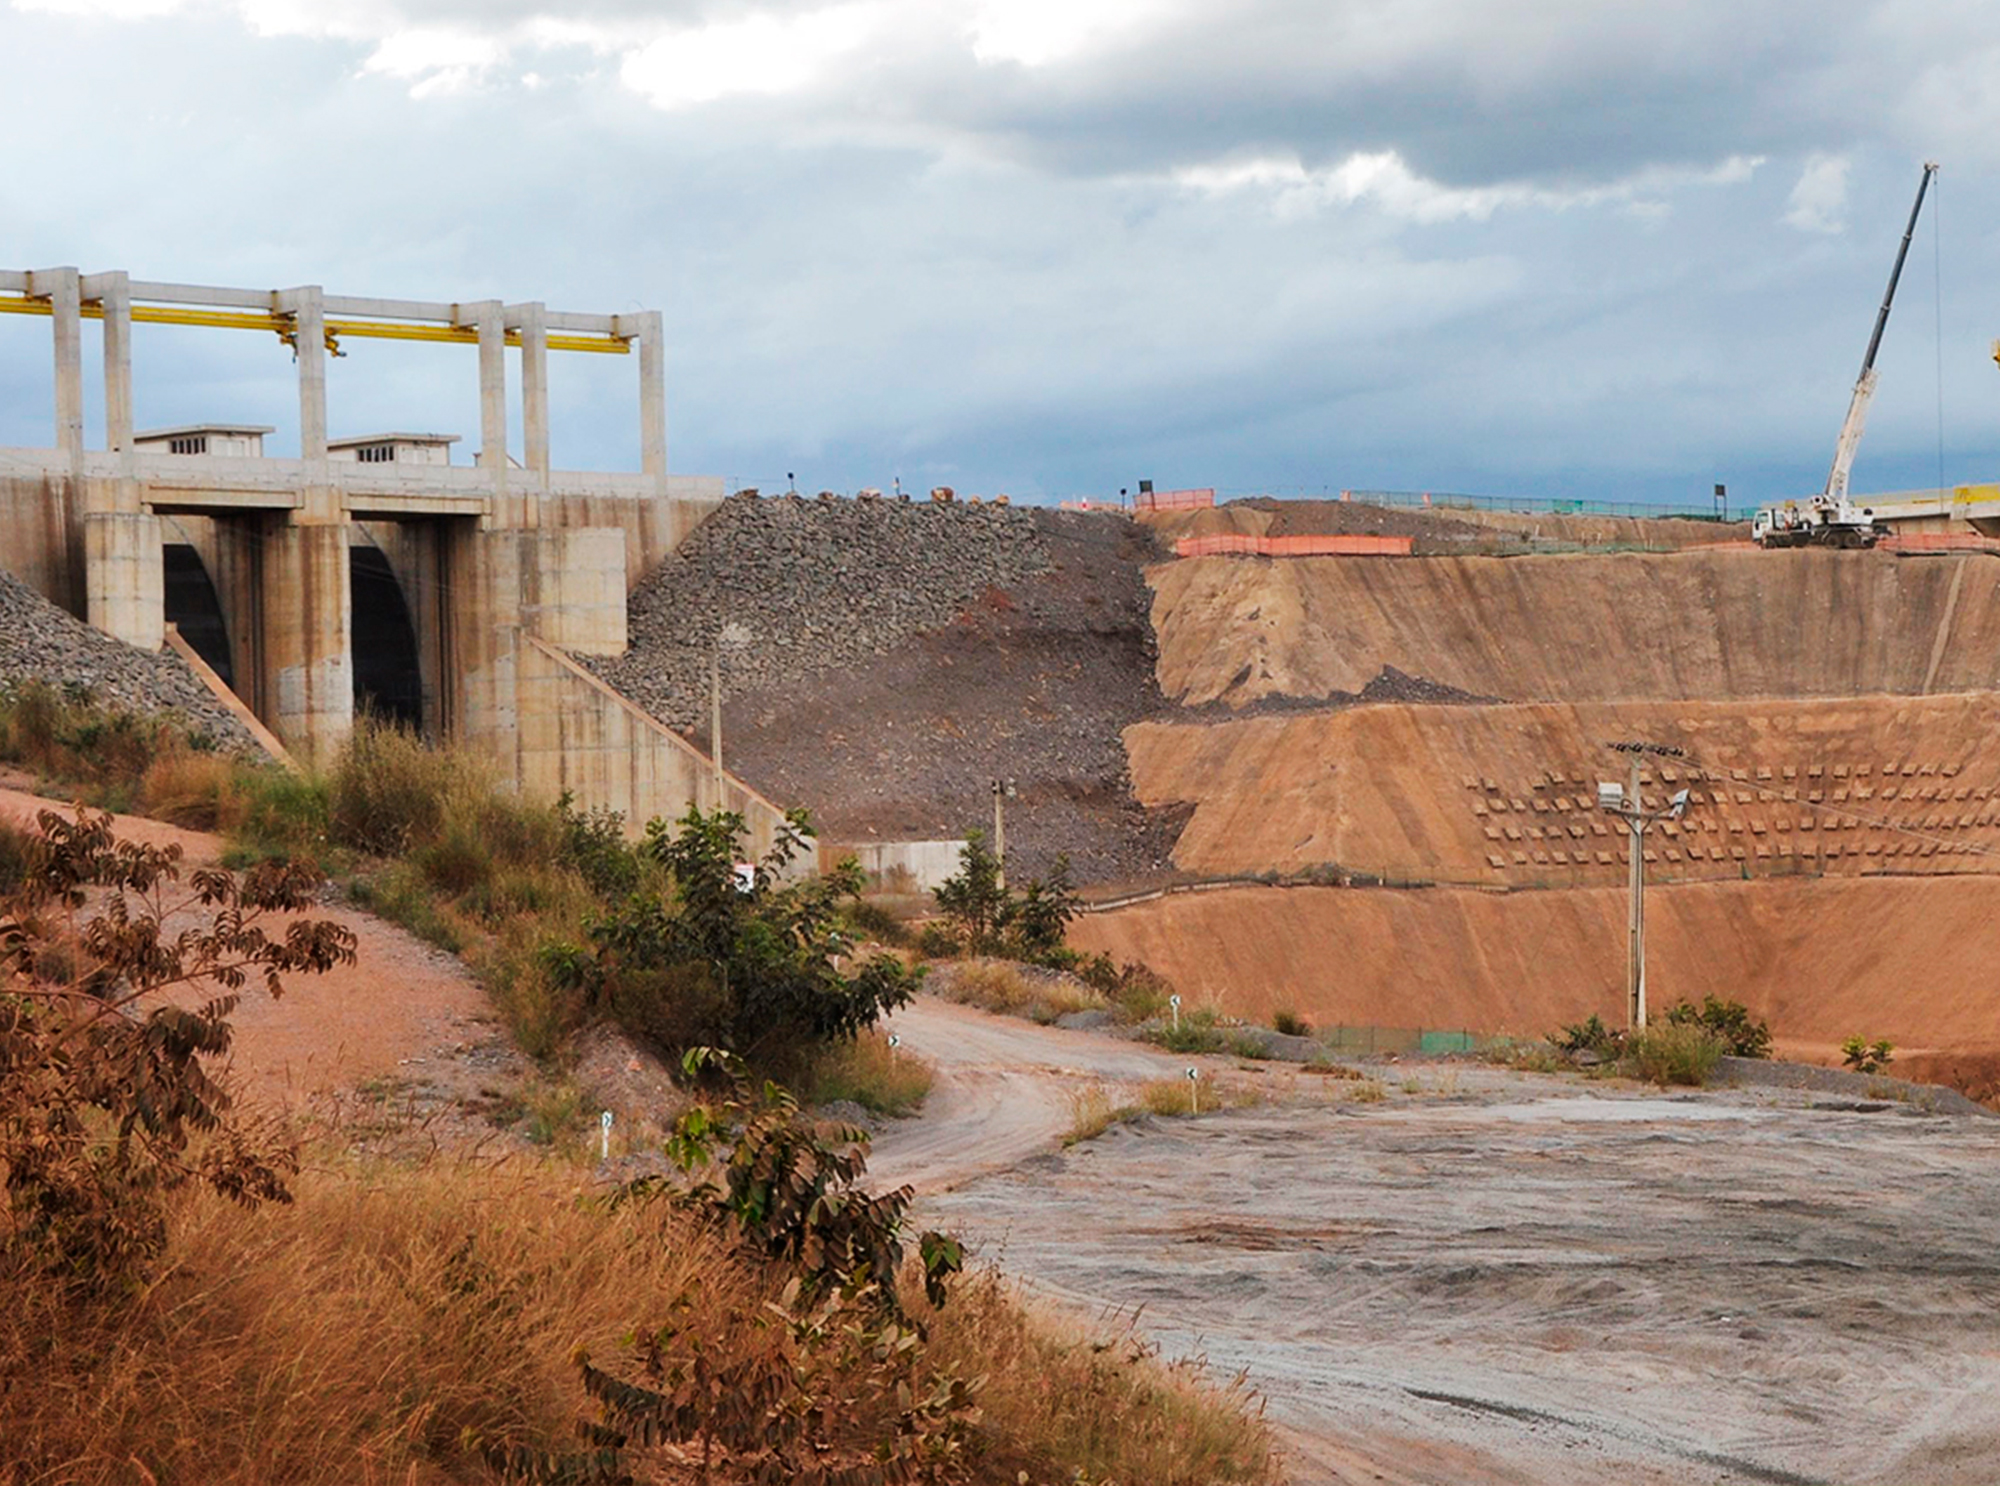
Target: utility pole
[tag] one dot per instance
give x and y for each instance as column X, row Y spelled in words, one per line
column 1630, row 807
column 715, row 716
column 1002, row 788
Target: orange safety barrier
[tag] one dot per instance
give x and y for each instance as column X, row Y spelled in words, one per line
column 1173, row 500
column 1306, row 546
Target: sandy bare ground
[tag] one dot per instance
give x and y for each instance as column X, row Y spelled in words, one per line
column 1500, row 1277
column 405, row 1015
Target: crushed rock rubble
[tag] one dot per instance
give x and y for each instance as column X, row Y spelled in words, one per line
column 40, row 641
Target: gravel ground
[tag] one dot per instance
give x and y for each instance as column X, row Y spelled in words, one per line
column 1034, row 680
column 39, row 641
column 1491, row 1276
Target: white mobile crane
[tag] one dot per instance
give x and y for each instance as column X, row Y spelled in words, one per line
column 1830, row 519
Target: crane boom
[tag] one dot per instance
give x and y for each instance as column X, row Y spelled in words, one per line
column 1864, row 385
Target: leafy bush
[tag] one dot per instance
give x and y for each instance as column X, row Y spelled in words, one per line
column 1191, row 1036
column 1289, row 1023
column 871, row 920
column 1138, row 991
column 1730, row 1022
column 766, row 960
column 937, row 941
column 1589, row 1037
column 594, row 843
column 1674, row 1053
column 1864, row 1056
column 984, row 918
column 90, row 1042
column 972, row 900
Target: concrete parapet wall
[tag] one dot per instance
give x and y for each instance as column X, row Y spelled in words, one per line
column 907, row 866
column 575, row 733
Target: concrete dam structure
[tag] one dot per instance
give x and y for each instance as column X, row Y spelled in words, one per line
column 370, row 572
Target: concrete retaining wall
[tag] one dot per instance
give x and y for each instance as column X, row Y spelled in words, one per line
column 900, row 866
column 575, row 733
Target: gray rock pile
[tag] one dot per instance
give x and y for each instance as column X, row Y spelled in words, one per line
column 807, row 587
column 39, row 641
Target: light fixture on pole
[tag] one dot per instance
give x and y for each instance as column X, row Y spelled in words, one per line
column 1613, row 799
column 1003, row 790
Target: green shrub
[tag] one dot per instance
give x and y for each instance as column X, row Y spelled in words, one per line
column 1189, row 1037
column 870, row 920
column 594, row 843
column 1588, row 1037
column 1864, row 1056
column 1289, row 1023
column 1729, row 1021
column 1674, row 1053
column 938, row 942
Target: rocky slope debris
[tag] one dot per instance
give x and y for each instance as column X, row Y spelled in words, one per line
column 801, row 588
column 41, row 642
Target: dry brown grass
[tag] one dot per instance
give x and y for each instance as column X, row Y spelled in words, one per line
column 396, row 1316
column 1064, row 1401
column 1001, row 986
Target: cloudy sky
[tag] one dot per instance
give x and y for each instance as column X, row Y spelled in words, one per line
column 1054, row 246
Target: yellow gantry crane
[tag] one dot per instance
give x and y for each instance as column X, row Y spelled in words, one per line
column 281, row 325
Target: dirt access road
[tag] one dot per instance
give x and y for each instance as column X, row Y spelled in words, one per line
column 1503, row 1277
column 404, row 1016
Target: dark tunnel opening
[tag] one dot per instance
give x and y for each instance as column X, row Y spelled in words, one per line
column 388, row 681
column 194, row 608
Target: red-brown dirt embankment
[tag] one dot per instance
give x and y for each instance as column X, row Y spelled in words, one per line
column 1822, row 960
column 1709, row 625
column 1506, row 794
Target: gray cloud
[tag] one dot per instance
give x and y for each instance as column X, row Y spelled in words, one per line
column 1163, row 254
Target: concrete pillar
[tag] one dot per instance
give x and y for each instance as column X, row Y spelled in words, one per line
column 306, row 689
column 124, row 578
column 307, row 307
column 652, row 397
column 492, row 324
column 63, row 288
column 113, row 293
column 531, row 321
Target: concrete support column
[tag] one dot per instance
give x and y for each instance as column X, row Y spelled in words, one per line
column 307, row 307
column 652, row 397
column 491, row 322
column 306, row 689
column 532, row 321
column 113, row 294
column 63, row 289
column 124, row 578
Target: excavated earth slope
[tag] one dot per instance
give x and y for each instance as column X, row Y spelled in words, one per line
column 1507, row 794
column 1704, row 625
column 1440, row 529
column 1822, row 959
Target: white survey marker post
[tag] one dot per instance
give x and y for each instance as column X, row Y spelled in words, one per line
column 604, row 1136
column 1194, row 1090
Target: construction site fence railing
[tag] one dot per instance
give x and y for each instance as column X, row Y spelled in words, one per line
column 1173, row 500
column 1320, row 545
column 1548, row 505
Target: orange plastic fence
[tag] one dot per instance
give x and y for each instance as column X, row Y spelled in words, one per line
column 1173, row 500
column 1307, row 546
